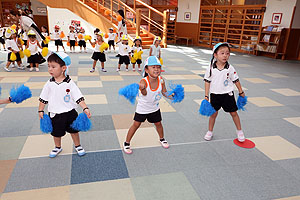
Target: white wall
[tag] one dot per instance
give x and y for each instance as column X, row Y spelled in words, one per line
column 296, row 22
column 36, row 5
column 192, row 6
column 63, row 18
column 279, row 6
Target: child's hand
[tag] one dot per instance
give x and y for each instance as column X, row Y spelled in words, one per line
column 15, row 51
column 41, row 115
column 242, row 94
column 206, row 98
column 88, row 113
column 142, row 86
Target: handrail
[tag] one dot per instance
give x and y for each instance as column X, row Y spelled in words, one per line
column 151, row 8
column 125, row 5
column 152, row 22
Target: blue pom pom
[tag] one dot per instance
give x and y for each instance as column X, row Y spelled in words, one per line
column 177, row 91
column 82, row 123
column 130, row 92
column 206, row 109
column 20, row 94
column 45, row 124
column 241, row 102
column 0, row 90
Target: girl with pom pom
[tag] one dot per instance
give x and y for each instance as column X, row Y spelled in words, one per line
column 155, row 50
column 137, row 50
column 57, row 36
column 98, row 52
column 62, row 96
column 152, row 87
column 220, row 79
column 32, row 46
column 122, row 27
column 124, row 52
column 14, row 49
column 72, row 38
column 45, row 34
column 82, row 43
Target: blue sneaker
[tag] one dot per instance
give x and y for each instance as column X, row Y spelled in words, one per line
column 80, row 151
column 55, row 152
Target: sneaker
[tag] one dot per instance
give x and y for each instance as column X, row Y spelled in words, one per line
column 208, row 136
column 241, row 136
column 55, row 152
column 31, row 69
column 80, row 151
column 118, row 70
column 37, row 69
column 140, row 70
column 126, row 149
column 164, row 143
column 92, row 70
column 127, row 70
column 13, row 65
column 21, row 67
column 103, row 70
column 133, row 70
column 7, row 69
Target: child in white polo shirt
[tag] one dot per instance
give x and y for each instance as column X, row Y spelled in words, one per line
column 72, row 38
column 220, row 79
column 111, row 38
column 124, row 51
column 62, row 96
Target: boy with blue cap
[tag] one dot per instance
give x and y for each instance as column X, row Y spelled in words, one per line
column 152, row 87
column 62, row 96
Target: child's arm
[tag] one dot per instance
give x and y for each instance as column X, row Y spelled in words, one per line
column 41, row 110
column 207, row 86
column 159, row 54
column 39, row 45
column 5, row 101
column 164, row 90
column 85, row 109
column 150, row 52
column 92, row 43
column 143, row 86
column 239, row 87
column 27, row 45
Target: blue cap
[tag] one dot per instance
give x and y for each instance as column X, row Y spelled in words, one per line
column 152, row 60
column 219, row 44
column 64, row 57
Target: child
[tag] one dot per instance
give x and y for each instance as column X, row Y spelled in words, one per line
column 96, row 32
column 13, row 46
column 122, row 28
column 152, row 87
column 72, row 38
column 45, row 34
column 219, row 79
column 56, row 36
column 82, row 42
column 62, row 96
column 155, row 49
column 124, row 51
column 2, row 41
column 111, row 39
column 137, row 47
column 97, row 55
column 32, row 46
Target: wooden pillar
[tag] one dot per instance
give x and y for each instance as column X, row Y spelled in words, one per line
column 111, row 10
column 138, row 22
column 165, row 21
column 134, row 4
column 1, row 15
column 149, row 25
column 97, row 6
column 288, row 35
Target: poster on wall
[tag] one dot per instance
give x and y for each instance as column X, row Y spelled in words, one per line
column 76, row 23
column 187, row 16
column 276, row 18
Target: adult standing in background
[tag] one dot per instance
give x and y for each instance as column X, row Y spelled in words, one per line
column 122, row 28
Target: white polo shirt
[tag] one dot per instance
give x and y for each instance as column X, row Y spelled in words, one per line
column 124, row 49
column 72, row 35
column 55, row 35
column 112, row 36
column 1, row 32
column 155, row 50
column 12, row 44
column 221, row 81
column 26, row 23
column 61, row 97
column 138, row 49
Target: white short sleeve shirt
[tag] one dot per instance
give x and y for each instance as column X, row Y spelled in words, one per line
column 12, row 44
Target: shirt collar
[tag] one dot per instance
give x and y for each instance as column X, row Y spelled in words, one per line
column 67, row 79
column 225, row 67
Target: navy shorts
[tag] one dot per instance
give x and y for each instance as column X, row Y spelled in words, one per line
column 225, row 101
column 61, row 123
column 151, row 117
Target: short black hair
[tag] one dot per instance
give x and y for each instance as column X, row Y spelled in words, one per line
column 32, row 36
column 15, row 12
column 96, row 30
column 55, row 58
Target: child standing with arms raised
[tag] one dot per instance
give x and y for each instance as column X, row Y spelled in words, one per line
column 98, row 55
column 62, row 96
column 152, row 87
column 220, row 79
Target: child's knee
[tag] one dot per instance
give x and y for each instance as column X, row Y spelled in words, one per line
column 233, row 114
column 158, row 124
column 214, row 115
column 136, row 124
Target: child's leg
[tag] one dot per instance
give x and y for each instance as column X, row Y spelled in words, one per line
column 236, row 120
column 102, row 65
column 57, row 48
column 160, row 129
column 126, row 66
column 7, row 64
column 57, row 141
column 31, row 66
column 212, row 120
column 94, row 64
column 132, row 130
column 64, row 48
column 76, row 139
column 133, row 66
column 119, row 66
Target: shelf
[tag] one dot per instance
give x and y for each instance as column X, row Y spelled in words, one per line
column 271, row 32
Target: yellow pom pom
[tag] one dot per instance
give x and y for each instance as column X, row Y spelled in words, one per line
column 44, row 51
column 20, row 41
column 103, row 47
column 13, row 26
column 135, row 55
column 46, row 41
column 87, row 37
column 161, row 61
column 13, row 56
column 133, row 60
column 21, row 54
column 27, row 52
column 8, row 30
column 140, row 54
